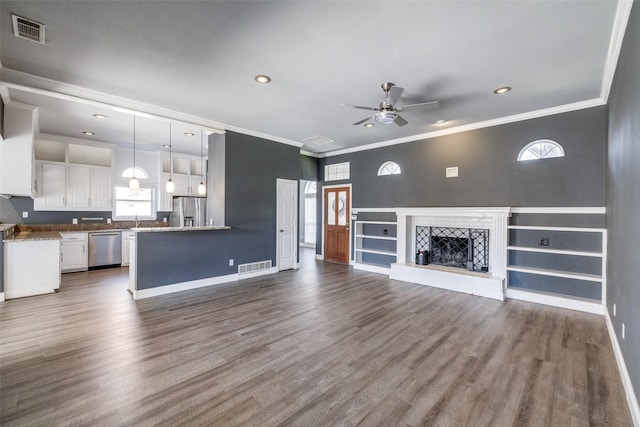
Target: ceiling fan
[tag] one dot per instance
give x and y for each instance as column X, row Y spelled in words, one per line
column 387, row 112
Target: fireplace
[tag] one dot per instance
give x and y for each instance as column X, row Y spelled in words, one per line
column 467, row 248
column 455, row 247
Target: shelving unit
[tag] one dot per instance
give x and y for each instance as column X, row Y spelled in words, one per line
column 375, row 245
column 578, row 252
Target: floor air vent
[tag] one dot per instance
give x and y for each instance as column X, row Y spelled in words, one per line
column 254, row 267
column 28, row 29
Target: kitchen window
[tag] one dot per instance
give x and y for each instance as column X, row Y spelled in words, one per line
column 131, row 205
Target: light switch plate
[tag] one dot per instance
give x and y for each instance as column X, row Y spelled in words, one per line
column 451, row 172
column 75, row 220
column 25, row 214
column 108, row 220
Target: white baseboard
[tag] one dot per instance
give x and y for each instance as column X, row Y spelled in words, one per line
column 258, row 273
column 632, row 399
column 371, row 268
column 555, row 300
column 320, row 257
column 184, row 286
column 1, row 296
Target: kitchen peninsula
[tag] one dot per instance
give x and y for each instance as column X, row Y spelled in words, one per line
column 171, row 259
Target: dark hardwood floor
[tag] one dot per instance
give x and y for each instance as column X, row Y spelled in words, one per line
column 321, row 346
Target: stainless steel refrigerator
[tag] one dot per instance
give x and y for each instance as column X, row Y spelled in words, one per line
column 189, row 211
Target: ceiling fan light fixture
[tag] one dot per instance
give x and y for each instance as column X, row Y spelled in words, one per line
column 385, row 117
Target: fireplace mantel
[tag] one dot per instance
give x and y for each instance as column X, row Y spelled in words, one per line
column 495, row 219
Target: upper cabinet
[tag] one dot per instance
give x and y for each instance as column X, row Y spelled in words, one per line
column 72, row 177
column 186, row 172
column 16, row 150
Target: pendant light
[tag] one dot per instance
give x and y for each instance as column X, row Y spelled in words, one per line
column 170, row 187
column 202, row 189
column 134, row 184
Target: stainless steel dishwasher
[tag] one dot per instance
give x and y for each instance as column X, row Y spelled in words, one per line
column 105, row 248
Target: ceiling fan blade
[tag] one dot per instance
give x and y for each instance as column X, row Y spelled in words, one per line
column 360, row 107
column 400, row 121
column 421, row 106
column 366, row 119
column 394, row 94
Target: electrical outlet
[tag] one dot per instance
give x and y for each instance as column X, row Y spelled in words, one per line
column 25, row 214
column 231, row 262
column 623, row 331
column 614, row 310
column 544, row 241
column 74, row 221
column 108, row 220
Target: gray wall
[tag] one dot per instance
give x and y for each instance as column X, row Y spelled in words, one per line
column 251, row 168
column 309, row 168
column 623, row 198
column 489, row 174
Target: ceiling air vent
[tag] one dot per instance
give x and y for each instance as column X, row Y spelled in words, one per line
column 318, row 140
column 28, row 29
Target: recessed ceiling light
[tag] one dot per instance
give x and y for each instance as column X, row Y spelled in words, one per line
column 441, row 122
column 262, row 78
column 502, row 90
column 189, row 133
column 89, row 133
column 166, row 145
column 369, row 125
column 100, row 116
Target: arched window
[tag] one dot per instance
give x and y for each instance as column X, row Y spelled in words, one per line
column 540, row 149
column 389, row 168
column 310, row 187
column 140, row 173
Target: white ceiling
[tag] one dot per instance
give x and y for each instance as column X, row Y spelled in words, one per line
column 194, row 62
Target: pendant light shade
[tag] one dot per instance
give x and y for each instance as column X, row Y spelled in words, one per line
column 170, row 187
column 202, row 189
column 134, row 184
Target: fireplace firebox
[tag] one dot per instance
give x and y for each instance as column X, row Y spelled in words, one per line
column 455, row 247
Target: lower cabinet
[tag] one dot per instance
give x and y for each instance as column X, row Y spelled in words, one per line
column 74, row 252
column 126, row 244
column 31, row 268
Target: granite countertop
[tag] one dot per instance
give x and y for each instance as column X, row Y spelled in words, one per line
column 166, row 229
column 32, row 236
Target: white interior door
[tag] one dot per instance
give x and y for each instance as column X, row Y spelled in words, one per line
column 286, row 223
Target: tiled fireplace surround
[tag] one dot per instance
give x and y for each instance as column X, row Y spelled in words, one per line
column 490, row 284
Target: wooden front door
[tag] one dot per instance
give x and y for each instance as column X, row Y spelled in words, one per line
column 337, row 216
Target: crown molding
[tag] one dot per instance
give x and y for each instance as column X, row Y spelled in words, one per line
column 620, row 22
column 48, row 87
column 474, row 126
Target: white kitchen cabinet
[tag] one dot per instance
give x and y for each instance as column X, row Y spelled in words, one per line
column 78, row 187
column 165, row 199
column 51, row 186
column 126, row 244
column 101, row 189
column 74, row 252
column 182, row 184
column 16, row 150
column 31, row 267
column 73, row 187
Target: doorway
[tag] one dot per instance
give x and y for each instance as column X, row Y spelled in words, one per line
column 336, row 220
column 286, row 221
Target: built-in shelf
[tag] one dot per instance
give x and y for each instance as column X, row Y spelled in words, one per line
column 543, row 228
column 555, row 251
column 375, row 245
column 377, row 251
column 556, row 273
